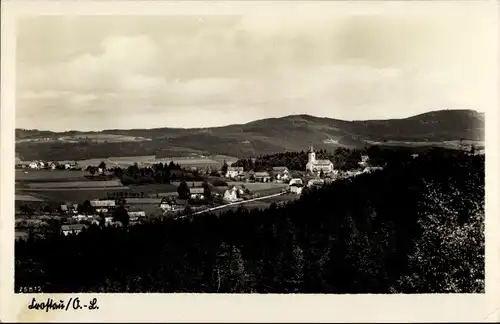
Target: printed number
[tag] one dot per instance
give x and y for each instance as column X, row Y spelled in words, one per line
column 30, row 290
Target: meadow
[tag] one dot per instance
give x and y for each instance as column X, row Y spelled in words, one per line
column 75, row 184
column 49, row 175
column 143, row 160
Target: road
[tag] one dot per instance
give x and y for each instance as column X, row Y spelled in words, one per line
column 238, row 203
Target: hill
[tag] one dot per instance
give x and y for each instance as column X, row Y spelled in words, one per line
column 266, row 136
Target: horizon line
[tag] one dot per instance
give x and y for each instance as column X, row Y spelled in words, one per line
column 240, row 124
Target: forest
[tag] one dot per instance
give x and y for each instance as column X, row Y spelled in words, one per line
column 417, row 226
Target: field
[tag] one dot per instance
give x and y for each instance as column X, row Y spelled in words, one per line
column 444, row 144
column 74, row 196
column 198, row 161
column 21, row 197
column 47, row 175
column 75, row 184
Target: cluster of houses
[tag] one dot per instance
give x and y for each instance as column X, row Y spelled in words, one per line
column 48, row 165
column 278, row 174
column 101, row 207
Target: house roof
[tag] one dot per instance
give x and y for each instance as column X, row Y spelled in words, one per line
column 280, row 168
column 234, row 168
column 261, row 174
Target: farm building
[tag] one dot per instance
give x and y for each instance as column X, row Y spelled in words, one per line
column 197, row 193
column 314, row 165
column 234, row 172
column 262, row 176
column 102, row 203
column 281, row 173
column 72, row 229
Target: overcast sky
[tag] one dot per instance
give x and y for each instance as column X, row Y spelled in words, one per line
column 98, row 72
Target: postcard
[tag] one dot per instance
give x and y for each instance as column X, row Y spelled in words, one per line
column 246, row 161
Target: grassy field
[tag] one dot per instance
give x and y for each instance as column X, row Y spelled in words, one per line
column 75, row 184
column 154, row 188
column 21, row 197
column 142, row 160
column 66, row 195
column 48, row 175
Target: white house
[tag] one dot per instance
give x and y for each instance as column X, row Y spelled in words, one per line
column 296, row 189
column 281, row 173
column 52, row 165
column 314, row 165
column 34, row 165
column 231, row 195
column 234, row 172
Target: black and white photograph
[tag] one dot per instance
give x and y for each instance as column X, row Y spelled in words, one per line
column 326, row 151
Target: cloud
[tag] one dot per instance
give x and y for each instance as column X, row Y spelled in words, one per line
column 131, row 72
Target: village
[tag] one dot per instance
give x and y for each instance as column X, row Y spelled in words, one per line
column 222, row 189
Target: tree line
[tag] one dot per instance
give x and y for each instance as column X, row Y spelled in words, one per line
column 417, row 226
column 342, row 158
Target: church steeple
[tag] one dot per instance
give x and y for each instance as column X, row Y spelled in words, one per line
column 311, row 155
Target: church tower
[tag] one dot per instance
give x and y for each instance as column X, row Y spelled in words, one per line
column 312, row 155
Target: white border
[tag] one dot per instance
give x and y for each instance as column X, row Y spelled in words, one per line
column 241, row 308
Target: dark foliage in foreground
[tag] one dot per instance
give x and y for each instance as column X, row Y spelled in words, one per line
column 416, row 226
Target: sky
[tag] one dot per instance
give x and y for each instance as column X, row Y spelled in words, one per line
column 143, row 71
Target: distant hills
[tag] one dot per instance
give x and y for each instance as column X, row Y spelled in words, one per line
column 272, row 135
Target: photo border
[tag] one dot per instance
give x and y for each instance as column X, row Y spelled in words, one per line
column 224, row 307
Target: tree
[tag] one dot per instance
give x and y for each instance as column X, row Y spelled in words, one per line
column 92, row 170
column 27, row 210
column 183, row 190
column 224, row 167
column 229, row 270
column 47, row 209
column 449, row 255
column 207, row 193
column 102, row 166
column 121, row 215
column 86, row 208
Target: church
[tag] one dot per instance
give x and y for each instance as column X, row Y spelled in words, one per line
column 314, row 165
